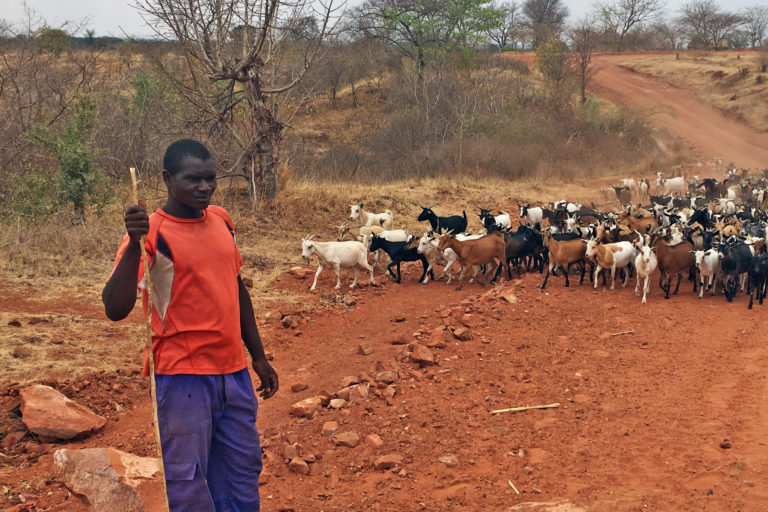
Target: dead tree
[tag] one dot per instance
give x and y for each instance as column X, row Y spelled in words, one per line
column 238, row 55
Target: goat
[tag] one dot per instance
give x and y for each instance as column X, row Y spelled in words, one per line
column 337, row 255
column 623, row 194
column 491, row 222
column 525, row 242
column 673, row 259
column 478, row 252
column 386, row 220
column 564, row 250
column 398, row 252
column 613, row 256
column 735, row 261
column 671, row 185
column 708, row 265
column 645, row 264
column 357, row 233
column 455, row 223
column 758, row 278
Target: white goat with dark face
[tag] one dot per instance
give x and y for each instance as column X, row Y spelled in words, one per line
column 337, row 255
column 386, row 220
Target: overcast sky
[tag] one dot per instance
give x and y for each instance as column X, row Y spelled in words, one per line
column 114, row 18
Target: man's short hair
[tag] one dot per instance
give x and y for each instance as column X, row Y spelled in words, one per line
column 181, row 149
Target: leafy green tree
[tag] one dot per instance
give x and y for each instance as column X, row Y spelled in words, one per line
column 419, row 29
column 53, row 40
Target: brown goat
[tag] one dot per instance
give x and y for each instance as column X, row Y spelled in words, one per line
column 674, row 259
column 478, row 252
column 568, row 250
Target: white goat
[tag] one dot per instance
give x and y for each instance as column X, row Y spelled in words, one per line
column 386, row 220
column 708, row 264
column 670, row 186
column 337, row 255
column 645, row 264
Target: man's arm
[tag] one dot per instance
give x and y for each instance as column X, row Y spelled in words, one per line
column 252, row 340
column 119, row 295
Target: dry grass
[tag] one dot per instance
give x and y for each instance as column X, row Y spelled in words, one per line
column 715, row 78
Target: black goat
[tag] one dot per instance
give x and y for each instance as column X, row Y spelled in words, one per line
column 399, row 252
column 758, row 278
column 454, row 223
column 736, row 260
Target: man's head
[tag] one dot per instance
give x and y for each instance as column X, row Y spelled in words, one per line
column 190, row 175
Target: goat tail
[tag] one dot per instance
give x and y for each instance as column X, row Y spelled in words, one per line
column 465, row 215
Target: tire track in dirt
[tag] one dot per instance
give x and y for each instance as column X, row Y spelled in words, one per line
column 711, row 132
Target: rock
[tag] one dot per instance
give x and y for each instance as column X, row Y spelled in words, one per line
column 389, row 392
column 57, row 340
column 248, row 282
column 349, row 439
column 300, row 272
column 290, row 322
column 46, row 412
column 449, row 460
column 300, row 386
column 437, row 338
column 359, row 392
column 307, row 407
column 15, row 322
column 545, row 506
column 422, row 355
column 330, row 428
column 291, row 451
column 399, row 340
column 111, row 479
column 337, row 403
column 725, row 444
column 297, row 465
column 349, row 301
column 470, row 320
column 10, row 440
column 350, row 380
column 21, row 353
column 511, row 298
column 374, row 441
column 364, row 350
column 400, row 317
column 387, row 377
column 527, row 470
column 462, row 334
column 386, row 462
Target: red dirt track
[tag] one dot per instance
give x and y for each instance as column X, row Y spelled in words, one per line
column 712, row 132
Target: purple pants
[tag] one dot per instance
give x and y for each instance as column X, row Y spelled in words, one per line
column 211, row 449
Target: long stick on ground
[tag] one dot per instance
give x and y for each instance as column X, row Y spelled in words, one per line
column 526, row 408
column 148, row 340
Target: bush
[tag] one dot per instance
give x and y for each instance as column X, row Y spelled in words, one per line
column 78, row 182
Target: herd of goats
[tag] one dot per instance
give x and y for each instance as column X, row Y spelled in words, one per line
column 701, row 228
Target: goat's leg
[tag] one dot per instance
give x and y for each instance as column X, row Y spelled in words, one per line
column 626, row 276
column 646, row 286
column 613, row 276
column 637, row 285
column 695, row 281
column 597, row 272
column 565, row 273
column 314, row 283
column 461, row 277
column 337, row 268
column 679, row 278
column 701, row 286
column 357, row 274
column 474, row 274
column 427, row 273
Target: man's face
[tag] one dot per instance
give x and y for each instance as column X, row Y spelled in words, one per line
column 193, row 185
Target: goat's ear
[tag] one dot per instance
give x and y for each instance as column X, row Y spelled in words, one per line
column 360, row 205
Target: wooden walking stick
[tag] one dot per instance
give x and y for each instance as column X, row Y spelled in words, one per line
column 148, row 340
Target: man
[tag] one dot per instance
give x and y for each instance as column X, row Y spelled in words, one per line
column 201, row 318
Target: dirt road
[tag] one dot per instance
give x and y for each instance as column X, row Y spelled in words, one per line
column 711, row 132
